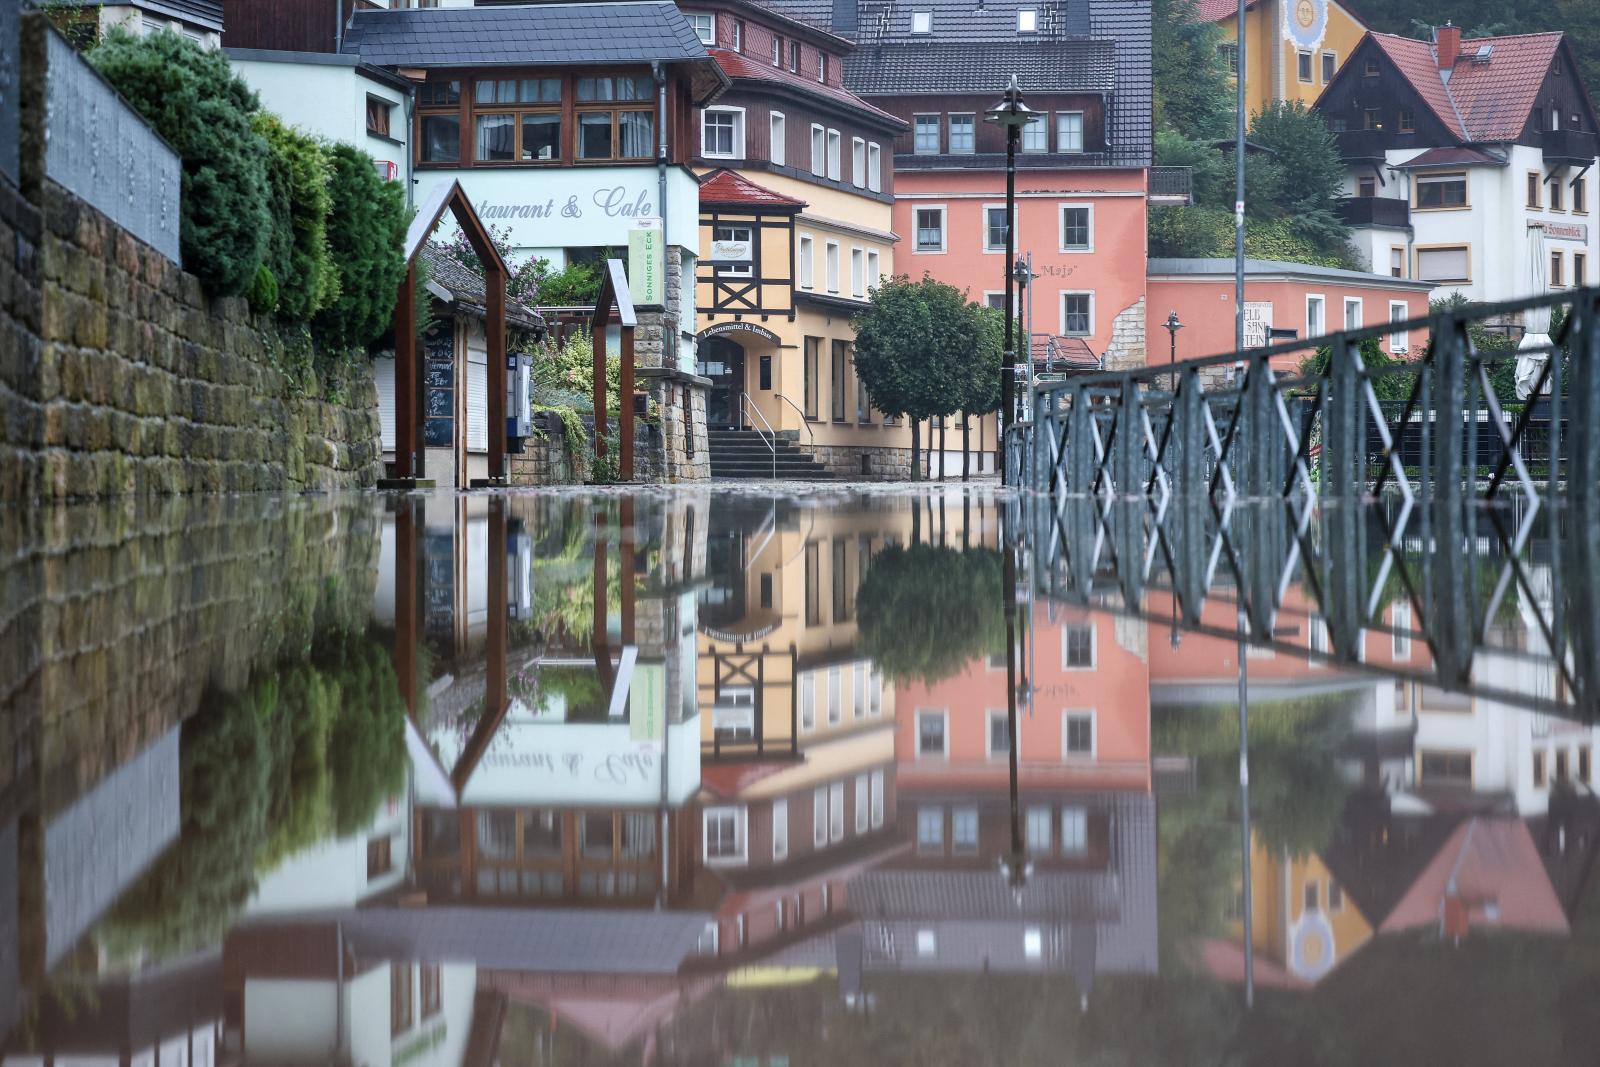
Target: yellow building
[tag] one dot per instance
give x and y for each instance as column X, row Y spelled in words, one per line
column 1293, row 48
column 1301, row 919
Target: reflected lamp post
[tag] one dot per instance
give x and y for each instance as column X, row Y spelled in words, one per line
column 1013, row 115
column 1173, row 326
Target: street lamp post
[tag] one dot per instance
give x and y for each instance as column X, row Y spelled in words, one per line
column 1173, row 326
column 1012, row 114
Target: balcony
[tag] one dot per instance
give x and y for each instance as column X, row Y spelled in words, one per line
column 1569, row 147
column 1362, row 144
column 1360, row 211
column 1172, row 186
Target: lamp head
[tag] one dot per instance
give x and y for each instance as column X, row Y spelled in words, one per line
column 1011, row 112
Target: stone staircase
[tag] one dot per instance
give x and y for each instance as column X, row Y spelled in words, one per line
column 744, row 454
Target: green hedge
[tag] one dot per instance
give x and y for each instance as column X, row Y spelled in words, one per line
column 367, row 221
column 299, row 257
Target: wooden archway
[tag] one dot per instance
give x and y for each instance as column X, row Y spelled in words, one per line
column 616, row 300
column 409, row 468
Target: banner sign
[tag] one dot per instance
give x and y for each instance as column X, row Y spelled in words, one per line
column 647, row 282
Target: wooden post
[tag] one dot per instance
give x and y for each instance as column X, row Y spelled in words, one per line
column 407, row 596
column 407, row 373
column 599, row 391
column 625, row 416
column 495, row 325
column 626, row 534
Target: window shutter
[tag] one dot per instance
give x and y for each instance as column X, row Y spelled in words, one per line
column 477, row 401
column 383, row 375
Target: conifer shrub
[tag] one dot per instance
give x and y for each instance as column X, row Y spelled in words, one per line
column 192, row 98
column 367, row 220
column 298, row 252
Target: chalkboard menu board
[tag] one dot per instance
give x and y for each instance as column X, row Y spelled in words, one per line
column 436, row 433
column 438, row 398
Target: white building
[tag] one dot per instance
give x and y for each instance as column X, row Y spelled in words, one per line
column 1468, row 161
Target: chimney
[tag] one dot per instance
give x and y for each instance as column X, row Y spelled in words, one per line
column 1447, row 39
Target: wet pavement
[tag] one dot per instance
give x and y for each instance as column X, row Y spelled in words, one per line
column 767, row 779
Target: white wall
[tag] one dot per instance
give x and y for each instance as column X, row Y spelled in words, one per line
column 333, row 874
column 330, row 101
column 293, row 1019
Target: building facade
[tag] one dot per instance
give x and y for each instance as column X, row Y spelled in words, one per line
column 1470, row 162
column 1293, row 48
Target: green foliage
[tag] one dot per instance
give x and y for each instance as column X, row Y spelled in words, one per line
column 1395, row 386
column 193, row 99
column 367, row 220
column 925, row 611
column 298, row 252
column 1192, row 89
column 1207, row 233
column 1307, row 156
column 574, row 285
column 263, row 292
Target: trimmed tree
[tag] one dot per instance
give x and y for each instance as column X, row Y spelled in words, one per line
column 367, row 220
column 299, row 257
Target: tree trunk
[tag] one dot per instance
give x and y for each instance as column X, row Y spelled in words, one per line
column 916, row 452
column 943, row 420
column 966, row 447
column 916, row 521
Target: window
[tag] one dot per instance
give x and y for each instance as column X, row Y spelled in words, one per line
column 615, row 133
column 777, row 135
column 379, row 858
column 819, row 151
column 858, row 272
column 777, row 51
column 925, row 136
column 1074, row 831
column 1370, row 68
column 962, row 133
column 1077, row 647
column 836, row 811
column 1027, row 19
column 1562, row 767
column 1352, row 313
column 1330, row 64
column 877, row 799
column 819, row 817
column 439, row 121
column 1038, row 831
column 1580, row 195
column 964, row 831
column 705, row 26
column 1447, row 264
column 780, row 829
column 1032, row 943
column 1372, row 119
column 738, row 35
column 379, row 112
column 808, row 701
column 813, row 368
column 858, row 673
column 1580, row 269
column 999, row 734
column 874, row 272
column 1077, row 228
column 1443, row 767
column 1399, row 340
column 1367, row 186
column 1538, row 770
column 930, row 229
column 833, row 155
column 1077, row 734
column 930, row 829
column 794, row 57
column 1036, row 134
column 1303, row 66
column 724, row 834
column 1556, row 262
column 930, row 734
column 1585, row 763
column 1400, row 622
column 994, row 229
column 922, row 22
column 874, row 166
column 1310, row 896
column 1316, row 317
column 863, row 805
column 927, row 942
column 1077, row 314
column 1397, row 262
column 1555, row 195
column 822, row 67
column 401, row 1007
column 807, row 274
column 597, row 837
column 722, row 133
column 1408, row 121
column 1069, row 131
column 1436, row 191
column 429, row 975
column 1533, row 189
column 831, row 265
column 745, row 234
column 835, row 692
column 1229, row 54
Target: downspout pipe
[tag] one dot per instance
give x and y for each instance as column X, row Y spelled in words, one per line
column 659, row 69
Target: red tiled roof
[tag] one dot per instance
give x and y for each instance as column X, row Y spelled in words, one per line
column 1217, row 10
column 729, row 187
column 1452, row 157
column 1481, row 101
column 739, row 65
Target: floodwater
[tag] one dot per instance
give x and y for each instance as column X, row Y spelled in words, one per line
column 758, row 779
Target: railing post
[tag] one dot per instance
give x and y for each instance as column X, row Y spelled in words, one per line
column 1130, row 439
column 1450, row 399
column 1080, row 443
column 1345, row 442
column 1583, row 401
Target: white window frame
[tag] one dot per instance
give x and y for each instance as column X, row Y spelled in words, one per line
column 858, row 686
column 926, row 119
column 1039, row 122
column 944, row 230
column 983, row 232
column 877, row 798
column 927, row 943
column 1079, row 816
column 808, row 702
column 694, row 18
column 819, row 149
column 738, row 35
column 1361, row 312
column 780, row 829
column 1063, row 308
column 741, row 818
column 1061, row 227
column 836, row 812
column 1400, row 619
column 1094, row 645
column 988, row 734
column 1027, row 20
column 874, row 269
column 858, row 162
column 1320, row 302
column 835, row 697
column 923, row 816
column 777, row 137
column 805, row 262
column 737, row 270
column 874, row 167
column 944, row 717
column 777, row 52
column 1094, row 734
column 1032, row 943
column 819, row 817
column 972, row 118
column 1399, row 342
column 863, row 803
column 835, row 146
column 921, row 22
column 1029, row 824
column 1082, row 132
column 1322, row 70
column 959, row 847
column 830, row 263
column 858, row 272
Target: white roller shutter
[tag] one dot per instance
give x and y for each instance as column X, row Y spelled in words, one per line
column 477, row 400
column 383, row 375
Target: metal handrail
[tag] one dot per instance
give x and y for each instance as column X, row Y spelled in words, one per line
column 804, row 424
column 770, row 438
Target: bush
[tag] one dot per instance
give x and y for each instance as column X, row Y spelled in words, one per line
column 298, row 253
column 367, row 219
column 1207, row 233
column 193, row 99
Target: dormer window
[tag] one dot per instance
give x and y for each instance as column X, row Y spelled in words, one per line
column 738, row 35
column 777, row 51
column 822, row 67
column 922, row 22
column 1027, row 20
column 705, row 26
column 794, row 57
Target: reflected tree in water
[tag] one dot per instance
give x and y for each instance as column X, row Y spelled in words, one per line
column 926, row 611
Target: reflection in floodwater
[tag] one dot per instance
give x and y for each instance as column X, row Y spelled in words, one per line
column 702, row 778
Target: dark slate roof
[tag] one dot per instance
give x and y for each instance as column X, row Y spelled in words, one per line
column 205, row 13
column 889, row 21
column 467, row 288
column 596, row 34
column 946, row 66
column 1131, row 128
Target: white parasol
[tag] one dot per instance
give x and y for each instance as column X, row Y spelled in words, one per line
column 1534, row 348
